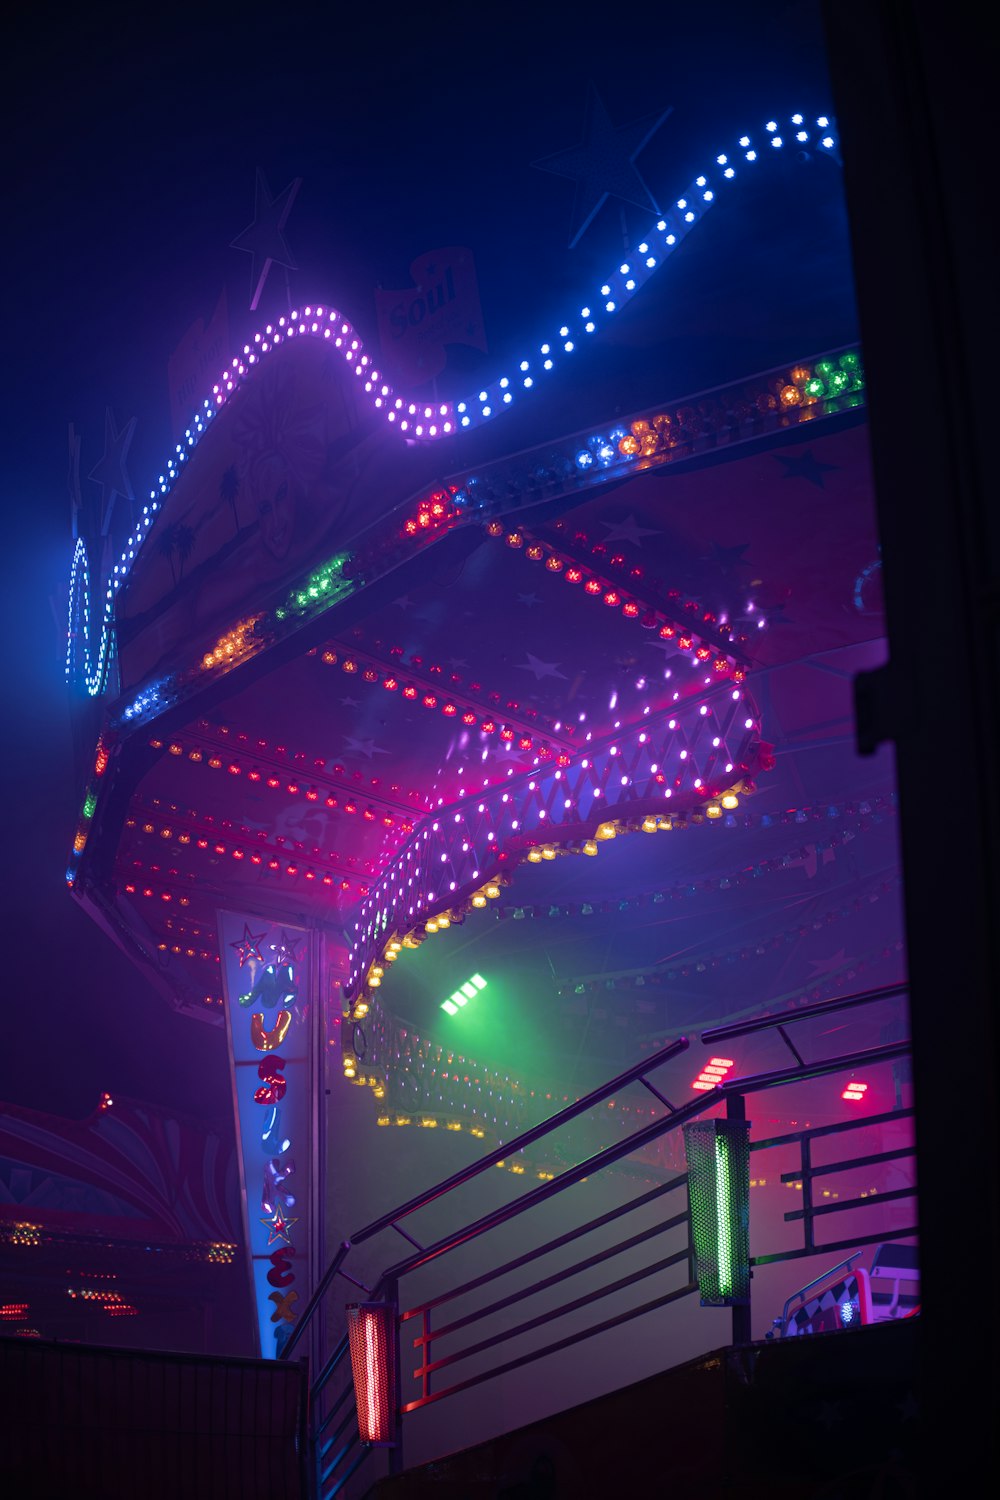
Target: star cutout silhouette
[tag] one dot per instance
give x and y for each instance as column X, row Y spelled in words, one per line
column 350, row 702
column 628, row 530
column 249, row 945
column 603, row 166
column 528, row 599
column 110, row 473
column 285, row 951
column 540, row 668
column 805, row 466
column 263, row 239
column 363, row 747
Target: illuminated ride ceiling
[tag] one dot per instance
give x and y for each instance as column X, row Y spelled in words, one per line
column 386, row 684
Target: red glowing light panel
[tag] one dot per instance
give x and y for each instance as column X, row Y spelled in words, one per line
column 371, row 1328
column 713, row 1073
column 855, row 1091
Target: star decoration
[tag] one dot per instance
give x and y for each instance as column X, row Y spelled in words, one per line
column 628, row 530
column 456, row 662
column 541, row 668
column 110, row 473
column 278, row 1227
column 263, row 239
column 828, row 965
column 363, row 747
column 350, row 702
column 285, row 951
column 805, row 466
column 729, row 557
column 528, row 599
column 603, row 166
column 249, row 945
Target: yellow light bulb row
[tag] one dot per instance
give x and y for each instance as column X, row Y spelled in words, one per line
column 430, row 1122
column 604, row 833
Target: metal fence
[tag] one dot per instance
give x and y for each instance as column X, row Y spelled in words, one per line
column 596, row 1275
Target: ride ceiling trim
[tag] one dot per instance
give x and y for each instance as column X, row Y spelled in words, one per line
column 621, row 285
column 484, row 833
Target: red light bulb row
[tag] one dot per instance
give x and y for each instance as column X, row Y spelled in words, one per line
column 389, row 662
column 300, row 759
column 687, row 638
column 294, row 788
column 180, row 952
column 450, row 704
column 261, row 857
column 191, row 815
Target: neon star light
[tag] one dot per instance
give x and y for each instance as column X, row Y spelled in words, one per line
column 465, row 992
column 421, row 421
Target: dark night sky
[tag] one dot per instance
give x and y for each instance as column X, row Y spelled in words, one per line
column 132, row 145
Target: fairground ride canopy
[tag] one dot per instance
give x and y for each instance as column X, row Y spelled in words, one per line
column 556, row 672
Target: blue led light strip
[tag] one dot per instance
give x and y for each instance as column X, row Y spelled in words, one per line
column 421, row 422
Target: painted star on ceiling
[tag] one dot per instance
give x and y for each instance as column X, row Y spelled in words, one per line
column 110, row 473
column 628, row 530
column 805, row 466
column 540, row 668
column 362, row 747
column 528, row 599
column 264, row 239
column 730, row 557
column 249, row 945
column 828, row 965
column 603, row 166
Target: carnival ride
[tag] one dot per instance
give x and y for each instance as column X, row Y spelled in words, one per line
column 478, row 745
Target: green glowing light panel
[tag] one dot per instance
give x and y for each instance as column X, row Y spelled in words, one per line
column 465, row 992
column 718, row 1163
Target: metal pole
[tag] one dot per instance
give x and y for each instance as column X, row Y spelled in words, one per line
column 736, row 1109
column 391, row 1293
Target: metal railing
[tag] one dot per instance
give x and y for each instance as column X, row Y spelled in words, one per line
column 336, row 1445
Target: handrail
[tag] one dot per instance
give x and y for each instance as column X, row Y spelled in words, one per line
column 466, row 1174
column 528, row 1138
column 651, row 1132
column 729, row 1093
column 753, row 1083
column 789, row 1018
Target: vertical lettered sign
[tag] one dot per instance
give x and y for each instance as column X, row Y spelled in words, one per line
column 267, row 973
